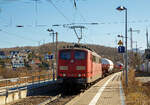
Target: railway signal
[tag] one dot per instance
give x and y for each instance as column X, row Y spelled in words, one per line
column 120, row 43
column 121, row 49
column 49, row 57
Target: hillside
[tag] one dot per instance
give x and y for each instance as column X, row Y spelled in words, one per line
column 35, row 62
column 107, row 52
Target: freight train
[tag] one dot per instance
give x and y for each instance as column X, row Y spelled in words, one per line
column 80, row 65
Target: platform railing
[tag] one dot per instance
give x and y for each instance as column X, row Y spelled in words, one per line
column 17, row 84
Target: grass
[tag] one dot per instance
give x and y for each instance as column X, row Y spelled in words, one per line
column 136, row 93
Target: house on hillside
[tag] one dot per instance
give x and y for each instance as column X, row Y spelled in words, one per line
column 23, row 56
column 18, row 59
column 17, row 62
column 26, row 51
column 2, row 55
column 13, row 53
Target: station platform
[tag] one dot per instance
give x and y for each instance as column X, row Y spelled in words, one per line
column 107, row 91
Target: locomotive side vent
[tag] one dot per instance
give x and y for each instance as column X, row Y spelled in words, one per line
column 80, row 67
column 63, row 67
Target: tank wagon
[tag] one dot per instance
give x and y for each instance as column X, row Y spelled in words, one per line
column 107, row 65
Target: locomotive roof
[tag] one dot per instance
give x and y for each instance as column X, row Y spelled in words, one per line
column 80, row 47
column 76, row 49
column 77, row 46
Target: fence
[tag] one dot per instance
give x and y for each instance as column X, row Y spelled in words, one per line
column 19, row 86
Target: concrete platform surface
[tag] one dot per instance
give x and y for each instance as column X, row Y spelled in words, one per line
column 2, row 100
column 107, row 91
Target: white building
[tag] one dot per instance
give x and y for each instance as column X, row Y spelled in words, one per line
column 17, row 62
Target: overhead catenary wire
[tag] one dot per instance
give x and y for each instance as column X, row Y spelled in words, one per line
column 61, row 13
column 75, row 5
column 77, row 10
column 102, row 23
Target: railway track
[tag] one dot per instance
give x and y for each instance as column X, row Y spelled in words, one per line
column 54, row 96
column 62, row 100
column 65, row 98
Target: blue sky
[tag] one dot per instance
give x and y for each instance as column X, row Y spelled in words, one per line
column 37, row 20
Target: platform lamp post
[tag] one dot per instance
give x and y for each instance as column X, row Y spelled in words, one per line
column 122, row 8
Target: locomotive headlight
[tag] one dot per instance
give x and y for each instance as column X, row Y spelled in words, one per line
column 80, row 67
column 63, row 67
column 79, row 75
column 64, row 75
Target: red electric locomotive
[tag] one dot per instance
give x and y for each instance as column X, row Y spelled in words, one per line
column 78, row 65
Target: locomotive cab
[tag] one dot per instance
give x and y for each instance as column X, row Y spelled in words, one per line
column 72, row 66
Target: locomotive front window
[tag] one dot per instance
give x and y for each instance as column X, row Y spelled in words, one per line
column 65, row 55
column 79, row 55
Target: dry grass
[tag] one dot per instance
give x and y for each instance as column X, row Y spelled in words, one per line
column 136, row 93
column 22, row 73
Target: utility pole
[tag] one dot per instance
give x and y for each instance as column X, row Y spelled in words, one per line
column 131, row 37
column 147, row 38
column 38, row 48
column 56, row 52
column 136, row 47
column 53, row 37
column 147, row 48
